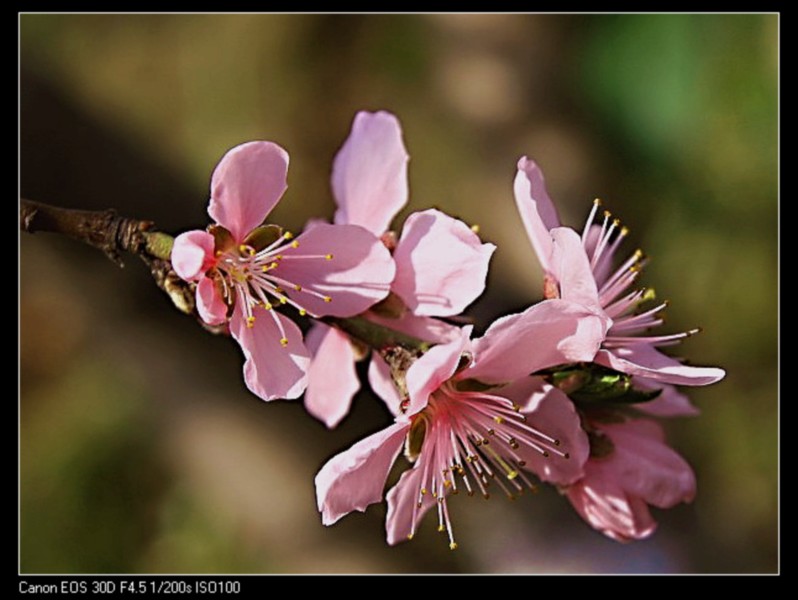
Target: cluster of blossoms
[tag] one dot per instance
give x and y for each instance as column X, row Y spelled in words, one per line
column 565, row 392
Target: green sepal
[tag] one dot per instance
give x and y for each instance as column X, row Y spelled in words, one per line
column 594, row 385
column 263, row 236
column 222, row 239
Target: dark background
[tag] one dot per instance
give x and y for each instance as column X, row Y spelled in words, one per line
column 140, row 448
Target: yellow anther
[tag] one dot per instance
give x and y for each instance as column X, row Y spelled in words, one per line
column 283, row 300
column 278, row 257
column 597, row 201
column 512, row 475
column 649, row 294
column 288, row 235
column 328, row 256
column 475, row 228
column 283, row 342
column 447, row 483
column 409, row 536
column 624, row 231
column 441, row 528
column 423, row 491
column 278, row 289
column 327, row 299
column 250, row 322
column 638, row 254
column 498, row 419
column 302, row 312
column 273, row 264
column 616, row 222
column 298, row 288
column 244, row 249
column 267, row 305
column 607, row 214
column 295, row 244
column 453, row 546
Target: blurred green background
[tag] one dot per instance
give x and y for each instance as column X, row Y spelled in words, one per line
column 140, row 448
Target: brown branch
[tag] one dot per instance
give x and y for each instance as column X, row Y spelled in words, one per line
column 112, row 234
column 103, row 229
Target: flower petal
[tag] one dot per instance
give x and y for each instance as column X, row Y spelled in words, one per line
column 441, row 265
column 193, row 254
column 601, row 502
column 670, row 402
column 536, row 208
column 433, row 368
column 210, row 305
column 246, row 185
column 646, row 361
column 271, row 370
column 404, row 514
column 382, row 384
column 358, row 275
column 571, row 268
column 427, row 329
column 550, row 411
column 356, row 477
column 369, row 178
column 332, row 379
column 549, row 333
column 645, row 466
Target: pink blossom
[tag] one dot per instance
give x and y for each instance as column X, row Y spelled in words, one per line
column 580, row 268
column 441, row 265
column 243, row 271
column 472, row 417
column 630, row 467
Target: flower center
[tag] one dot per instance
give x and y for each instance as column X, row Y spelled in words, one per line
column 260, row 278
column 464, row 440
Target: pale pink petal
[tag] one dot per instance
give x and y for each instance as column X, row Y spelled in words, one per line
column 404, row 514
column 549, row 333
column 571, row 269
column 193, row 254
column 435, row 367
column 332, row 379
column 441, row 265
column 536, row 208
column 210, row 305
column 646, row 361
column 670, row 402
column 369, row 178
column 382, row 384
column 427, row 329
column 271, row 370
column 356, row 477
column 358, row 275
column 646, row 467
column 246, row 185
column 607, row 508
column 550, row 411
